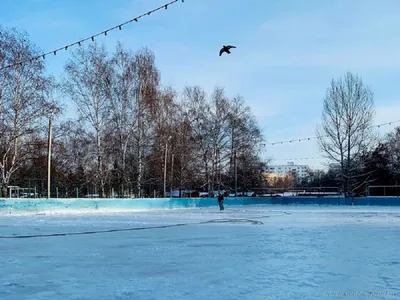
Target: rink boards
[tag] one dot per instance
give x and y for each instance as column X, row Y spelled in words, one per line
column 173, row 203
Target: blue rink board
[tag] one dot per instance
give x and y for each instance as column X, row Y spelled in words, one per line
column 169, row 203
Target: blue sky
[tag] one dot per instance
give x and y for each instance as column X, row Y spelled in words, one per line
column 287, row 51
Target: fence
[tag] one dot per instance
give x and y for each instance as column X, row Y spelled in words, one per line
column 384, row 190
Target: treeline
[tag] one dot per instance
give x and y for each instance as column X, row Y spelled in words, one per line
column 375, row 173
column 130, row 135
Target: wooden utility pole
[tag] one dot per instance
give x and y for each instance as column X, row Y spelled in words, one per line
column 49, row 159
column 165, row 166
column 1, row 99
column 235, row 162
column 172, row 173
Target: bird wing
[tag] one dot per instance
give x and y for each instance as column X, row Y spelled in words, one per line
column 221, row 51
column 230, row 47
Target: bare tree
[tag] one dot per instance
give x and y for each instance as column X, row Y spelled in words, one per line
column 164, row 116
column 219, row 120
column 73, row 162
column 186, row 148
column 239, row 117
column 85, row 81
column 226, row 138
column 198, row 115
column 25, row 100
column 147, row 78
column 121, row 94
column 345, row 133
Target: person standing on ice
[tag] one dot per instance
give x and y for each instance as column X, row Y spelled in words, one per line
column 221, row 201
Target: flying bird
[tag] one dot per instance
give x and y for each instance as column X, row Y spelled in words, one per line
column 226, row 49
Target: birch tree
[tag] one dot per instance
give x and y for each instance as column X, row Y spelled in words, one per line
column 147, row 78
column 84, row 83
column 198, row 113
column 164, row 118
column 219, row 116
column 122, row 96
column 238, row 114
column 185, row 149
column 24, row 100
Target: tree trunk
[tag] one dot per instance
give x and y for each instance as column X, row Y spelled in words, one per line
column 100, row 166
column 4, row 191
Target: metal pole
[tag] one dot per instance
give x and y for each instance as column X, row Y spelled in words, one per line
column 172, row 173
column 165, row 169
column 49, row 160
column 219, row 170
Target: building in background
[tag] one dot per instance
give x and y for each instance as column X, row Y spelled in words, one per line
column 335, row 167
column 300, row 173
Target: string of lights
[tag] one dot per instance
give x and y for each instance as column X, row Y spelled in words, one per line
column 92, row 37
column 316, row 137
column 297, row 158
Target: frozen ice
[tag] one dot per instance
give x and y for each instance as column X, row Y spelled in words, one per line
column 297, row 252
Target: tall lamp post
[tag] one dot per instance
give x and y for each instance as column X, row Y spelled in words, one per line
column 165, row 165
column 49, row 158
column 53, row 111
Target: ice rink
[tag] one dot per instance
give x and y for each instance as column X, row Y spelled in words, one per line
column 252, row 252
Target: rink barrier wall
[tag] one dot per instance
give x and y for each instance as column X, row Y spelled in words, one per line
column 23, row 204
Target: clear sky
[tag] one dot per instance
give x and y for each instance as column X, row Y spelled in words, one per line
column 287, row 51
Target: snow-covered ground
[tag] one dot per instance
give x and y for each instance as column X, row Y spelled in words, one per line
column 298, row 252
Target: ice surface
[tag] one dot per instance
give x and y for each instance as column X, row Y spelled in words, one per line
column 299, row 252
